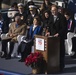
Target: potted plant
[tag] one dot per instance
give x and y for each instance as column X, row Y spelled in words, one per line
column 36, row 61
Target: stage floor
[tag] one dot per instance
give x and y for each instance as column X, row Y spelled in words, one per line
column 14, row 66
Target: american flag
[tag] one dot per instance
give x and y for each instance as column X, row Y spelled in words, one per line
column 40, row 42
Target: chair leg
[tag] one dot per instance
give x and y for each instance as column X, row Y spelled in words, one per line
column 8, row 47
column 14, row 53
column 0, row 46
column 32, row 49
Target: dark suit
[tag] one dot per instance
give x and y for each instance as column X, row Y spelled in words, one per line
column 25, row 48
column 23, row 16
column 46, row 22
column 30, row 18
column 59, row 26
column 74, row 44
column 5, row 28
column 26, row 7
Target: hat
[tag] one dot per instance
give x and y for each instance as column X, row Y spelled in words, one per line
column 20, row 5
column 31, row 7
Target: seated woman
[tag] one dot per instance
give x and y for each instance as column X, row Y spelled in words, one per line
column 25, row 46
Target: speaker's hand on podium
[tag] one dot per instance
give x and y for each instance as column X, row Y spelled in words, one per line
column 56, row 35
column 47, row 34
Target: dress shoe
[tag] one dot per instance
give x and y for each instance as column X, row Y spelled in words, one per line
column 4, row 56
column 21, row 60
column 2, row 53
column 73, row 56
column 61, row 70
column 8, row 57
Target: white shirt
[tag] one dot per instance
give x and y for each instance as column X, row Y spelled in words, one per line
column 33, row 15
column 55, row 17
column 34, row 27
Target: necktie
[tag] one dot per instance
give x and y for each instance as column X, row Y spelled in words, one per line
column 69, row 24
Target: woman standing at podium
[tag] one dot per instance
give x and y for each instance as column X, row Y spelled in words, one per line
column 58, row 29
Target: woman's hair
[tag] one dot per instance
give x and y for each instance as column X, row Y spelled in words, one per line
column 47, row 0
column 44, row 5
column 38, row 20
column 67, row 13
column 14, row 4
column 46, row 11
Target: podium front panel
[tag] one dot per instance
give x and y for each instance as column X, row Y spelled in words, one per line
column 44, row 52
column 50, row 52
column 53, row 55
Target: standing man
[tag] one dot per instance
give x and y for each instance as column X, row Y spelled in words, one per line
column 58, row 29
column 22, row 13
column 33, row 13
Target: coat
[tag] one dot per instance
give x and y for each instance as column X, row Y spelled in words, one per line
column 20, row 30
column 29, row 20
column 59, row 26
column 37, row 31
column 30, row 39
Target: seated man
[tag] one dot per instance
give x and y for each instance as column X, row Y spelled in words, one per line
column 70, row 32
column 16, row 28
column 25, row 46
column 74, row 47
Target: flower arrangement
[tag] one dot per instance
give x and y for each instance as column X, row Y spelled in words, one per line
column 34, row 59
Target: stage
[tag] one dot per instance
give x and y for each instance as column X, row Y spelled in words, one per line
column 13, row 67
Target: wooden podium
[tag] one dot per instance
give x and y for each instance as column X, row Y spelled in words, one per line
column 50, row 48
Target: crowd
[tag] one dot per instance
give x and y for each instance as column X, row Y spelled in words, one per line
column 30, row 20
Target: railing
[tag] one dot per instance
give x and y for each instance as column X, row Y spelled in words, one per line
column 37, row 2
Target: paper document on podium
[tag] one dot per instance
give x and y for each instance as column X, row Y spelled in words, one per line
column 39, row 44
column 26, row 41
